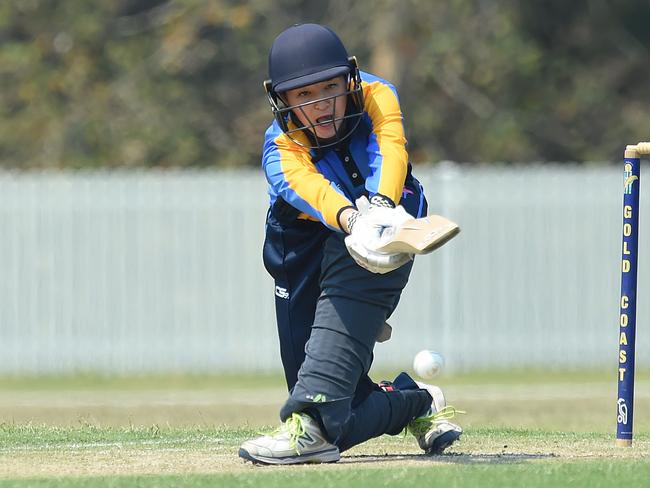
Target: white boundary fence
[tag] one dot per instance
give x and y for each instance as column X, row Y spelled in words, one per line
column 123, row 272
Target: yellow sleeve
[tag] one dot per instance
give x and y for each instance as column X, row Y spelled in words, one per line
column 293, row 176
column 388, row 158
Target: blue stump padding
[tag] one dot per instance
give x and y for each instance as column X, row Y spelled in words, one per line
column 627, row 324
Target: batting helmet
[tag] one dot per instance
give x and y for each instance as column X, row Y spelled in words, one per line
column 305, row 54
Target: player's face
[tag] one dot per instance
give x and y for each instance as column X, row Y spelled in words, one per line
column 325, row 101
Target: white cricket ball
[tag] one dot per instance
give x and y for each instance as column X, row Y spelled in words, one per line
column 428, row 364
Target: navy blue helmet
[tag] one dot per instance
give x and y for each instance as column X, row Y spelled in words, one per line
column 305, row 54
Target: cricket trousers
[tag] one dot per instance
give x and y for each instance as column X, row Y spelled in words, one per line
column 329, row 313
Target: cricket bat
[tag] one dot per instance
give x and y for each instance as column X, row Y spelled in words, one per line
column 421, row 236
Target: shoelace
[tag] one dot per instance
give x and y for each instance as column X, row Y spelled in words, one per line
column 292, row 426
column 446, row 413
column 295, row 429
column 421, row 425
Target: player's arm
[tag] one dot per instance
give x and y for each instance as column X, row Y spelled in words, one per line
column 387, row 155
column 294, row 177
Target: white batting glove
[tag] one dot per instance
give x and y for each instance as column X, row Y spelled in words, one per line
column 374, row 261
column 375, row 225
column 371, row 227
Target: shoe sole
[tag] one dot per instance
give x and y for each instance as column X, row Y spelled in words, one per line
column 330, row 456
column 443, row 442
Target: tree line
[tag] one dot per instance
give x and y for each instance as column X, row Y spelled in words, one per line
column 178, row 83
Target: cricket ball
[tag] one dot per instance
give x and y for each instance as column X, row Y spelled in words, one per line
column 428, row 364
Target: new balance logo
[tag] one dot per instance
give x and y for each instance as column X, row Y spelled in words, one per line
column 305, row 440
column 281, row 292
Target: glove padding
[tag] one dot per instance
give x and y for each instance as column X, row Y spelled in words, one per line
column 374, row 261
column 373, row 228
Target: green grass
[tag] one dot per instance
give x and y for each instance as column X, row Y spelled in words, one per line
column 532, row 429
column 529, row 474
column 493, row 458
column 173, row 381
column 487, row 457
column 44, row 437
column 95, row 381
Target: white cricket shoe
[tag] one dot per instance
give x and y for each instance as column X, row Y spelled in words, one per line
column 433, row 431
column 438, row 397
column 299, row 440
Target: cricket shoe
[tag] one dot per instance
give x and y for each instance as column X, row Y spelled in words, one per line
column 438, row 401
column 299, row 440
column 433, row 431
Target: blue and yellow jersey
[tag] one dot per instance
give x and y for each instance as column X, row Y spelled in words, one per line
column 319, row 187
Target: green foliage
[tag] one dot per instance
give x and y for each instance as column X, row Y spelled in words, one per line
column 178, row 82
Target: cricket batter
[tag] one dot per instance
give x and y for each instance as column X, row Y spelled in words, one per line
column 339, row 178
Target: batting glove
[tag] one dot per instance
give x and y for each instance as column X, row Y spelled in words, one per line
column 373, row 225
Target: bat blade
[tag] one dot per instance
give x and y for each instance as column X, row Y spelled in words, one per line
column 422, row 236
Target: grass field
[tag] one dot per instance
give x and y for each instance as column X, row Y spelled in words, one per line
column 521, row 429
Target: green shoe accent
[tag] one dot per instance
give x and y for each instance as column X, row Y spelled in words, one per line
column 421, row 425
column 294, row 427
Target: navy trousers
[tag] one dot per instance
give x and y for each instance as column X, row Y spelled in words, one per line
column 329, row 312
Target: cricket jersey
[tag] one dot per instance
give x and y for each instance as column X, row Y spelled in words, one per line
column 373, row 160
